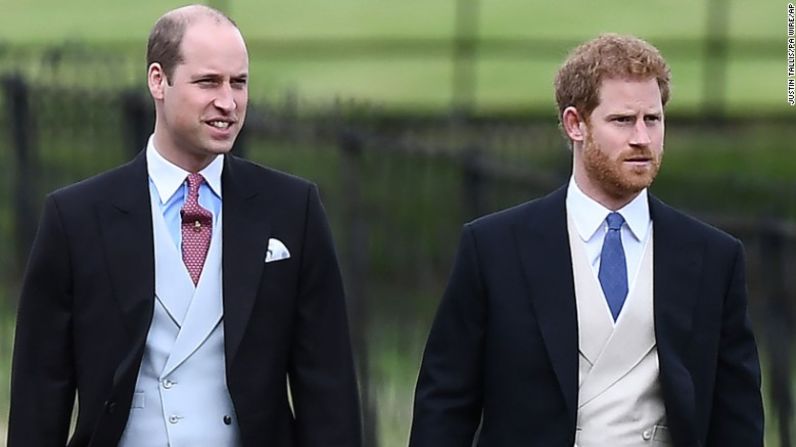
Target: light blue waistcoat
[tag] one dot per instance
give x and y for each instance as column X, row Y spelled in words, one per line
column 181, row 397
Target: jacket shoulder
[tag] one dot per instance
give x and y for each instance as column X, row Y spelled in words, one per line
column 102, row 185
column 526, row 213
column 663, row 214
column 267, row 177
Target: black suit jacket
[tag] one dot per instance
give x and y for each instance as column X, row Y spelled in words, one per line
column 87, row 303
column 504, row 343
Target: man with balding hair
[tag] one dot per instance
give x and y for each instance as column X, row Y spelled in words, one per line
column 596, row 316
column 188, row 298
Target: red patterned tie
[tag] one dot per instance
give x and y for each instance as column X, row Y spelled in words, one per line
column 197, row 226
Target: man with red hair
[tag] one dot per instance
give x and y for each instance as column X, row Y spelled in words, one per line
column 595, row 316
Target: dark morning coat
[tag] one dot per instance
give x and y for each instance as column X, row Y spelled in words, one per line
column 504, row 343
column 87, row 302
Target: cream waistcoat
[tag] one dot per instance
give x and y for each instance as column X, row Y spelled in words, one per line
column 619, row 396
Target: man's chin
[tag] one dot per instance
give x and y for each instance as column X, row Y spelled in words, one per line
column 632, row 186
column 218, row 149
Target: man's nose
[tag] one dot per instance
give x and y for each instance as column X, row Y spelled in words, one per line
column 641, row 135
column 225, row 100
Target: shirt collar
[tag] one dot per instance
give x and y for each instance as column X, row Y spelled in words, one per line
column 168, row 177
column 589, row 215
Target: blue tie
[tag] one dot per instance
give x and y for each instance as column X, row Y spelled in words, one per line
column 613, row 268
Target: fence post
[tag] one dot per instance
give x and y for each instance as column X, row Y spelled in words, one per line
column 473, row 183
column 464, row 57
column 778, row 326
column 25, row 189
column 241, row 142
column 714, row 83
column 138, row 120
column 356, row 240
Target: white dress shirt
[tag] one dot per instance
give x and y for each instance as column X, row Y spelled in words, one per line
column 588, row 215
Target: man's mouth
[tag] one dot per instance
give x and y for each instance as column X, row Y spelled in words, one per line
column 219, row 124
column 638, row 158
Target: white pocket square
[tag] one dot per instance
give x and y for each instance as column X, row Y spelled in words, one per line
column 276, row 251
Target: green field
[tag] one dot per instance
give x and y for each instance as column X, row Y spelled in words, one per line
column 412, row 78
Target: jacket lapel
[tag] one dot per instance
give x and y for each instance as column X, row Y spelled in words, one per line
column 126, row 226
column 245, row 240
column 543, row 245
column 677, row 266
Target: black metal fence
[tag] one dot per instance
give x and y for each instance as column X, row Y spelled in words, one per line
column 397, row 189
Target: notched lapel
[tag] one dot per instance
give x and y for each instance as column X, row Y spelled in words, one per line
column 126, row 226
column 543, row 245
column 246, row 231
column 677, row 266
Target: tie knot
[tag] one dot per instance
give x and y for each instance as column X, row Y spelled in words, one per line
column 615, row 221
column 194, row 180
column 191, row 210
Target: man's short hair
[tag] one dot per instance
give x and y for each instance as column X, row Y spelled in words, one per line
column 608, row 56
column 166, row 36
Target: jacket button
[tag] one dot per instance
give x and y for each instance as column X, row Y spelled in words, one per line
column 647, row 434
column 227, row 420
column 110, row 406
column 173, row 419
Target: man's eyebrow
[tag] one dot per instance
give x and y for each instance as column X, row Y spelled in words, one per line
column 206, row 76
column 619, row 115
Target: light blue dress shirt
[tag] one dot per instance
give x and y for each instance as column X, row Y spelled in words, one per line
column 168, row 188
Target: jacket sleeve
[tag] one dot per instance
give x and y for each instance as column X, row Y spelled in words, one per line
column 42, row 374
column 321, row 371
column 737, row 415
column 449, row 394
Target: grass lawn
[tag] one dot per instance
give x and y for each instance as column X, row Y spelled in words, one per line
column 421, row 77
column 277, row 19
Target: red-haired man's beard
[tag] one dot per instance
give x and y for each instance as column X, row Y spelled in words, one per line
column 616, row 176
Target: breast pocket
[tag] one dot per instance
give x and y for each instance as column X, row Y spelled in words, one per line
column 280, row 276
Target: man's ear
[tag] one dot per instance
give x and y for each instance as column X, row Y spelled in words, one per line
column 574, row 124
column 156, row 80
